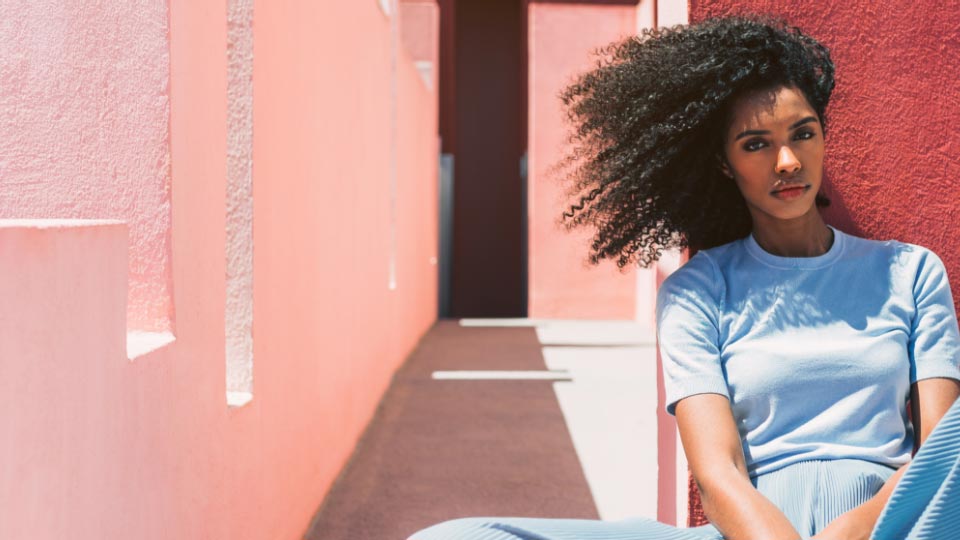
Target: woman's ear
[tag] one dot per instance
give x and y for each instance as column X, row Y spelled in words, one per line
column 725, row 169
column 724, row 166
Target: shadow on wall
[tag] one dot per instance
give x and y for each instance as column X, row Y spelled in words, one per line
column 838, row 214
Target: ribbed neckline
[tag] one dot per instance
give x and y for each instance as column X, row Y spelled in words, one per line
column 819, row 261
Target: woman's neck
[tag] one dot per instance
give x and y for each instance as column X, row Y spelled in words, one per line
column 807, row 236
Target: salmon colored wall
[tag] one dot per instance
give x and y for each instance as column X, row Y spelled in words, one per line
column 671, row 461
column 419, row 14
column 561, row 284
column 84, row 90
column 892, row 165
column 62, row 422
column 109, row 448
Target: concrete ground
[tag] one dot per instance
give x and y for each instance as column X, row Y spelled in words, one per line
column 505, row 417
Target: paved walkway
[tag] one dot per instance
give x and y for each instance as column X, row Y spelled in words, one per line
column 509, row 418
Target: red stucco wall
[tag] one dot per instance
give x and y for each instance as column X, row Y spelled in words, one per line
column 893, row 167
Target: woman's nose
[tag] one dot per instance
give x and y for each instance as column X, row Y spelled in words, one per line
column 787, row 162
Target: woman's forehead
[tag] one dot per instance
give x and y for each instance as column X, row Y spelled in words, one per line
column 771, row 108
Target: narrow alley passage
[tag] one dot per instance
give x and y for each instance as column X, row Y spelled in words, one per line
column 505, row 417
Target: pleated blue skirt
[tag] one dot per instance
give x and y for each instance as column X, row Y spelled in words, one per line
column 924, row 506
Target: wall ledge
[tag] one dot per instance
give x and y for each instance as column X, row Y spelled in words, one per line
column 238, row 399
column 140, row 343
column 24, row 223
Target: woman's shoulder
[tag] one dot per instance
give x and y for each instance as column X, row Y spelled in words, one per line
column 911, row 269
column 890, row 252
column 700, row 278
column 707, row 265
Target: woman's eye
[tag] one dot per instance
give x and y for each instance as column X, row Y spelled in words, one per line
column 803, row 135
column 753, row 145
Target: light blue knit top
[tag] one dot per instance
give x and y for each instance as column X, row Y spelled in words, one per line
column 815, row 354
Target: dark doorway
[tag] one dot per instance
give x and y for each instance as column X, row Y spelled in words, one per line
column 483, row 125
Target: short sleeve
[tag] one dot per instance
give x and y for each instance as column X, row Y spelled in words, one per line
column 934, row 345
column 688, row 336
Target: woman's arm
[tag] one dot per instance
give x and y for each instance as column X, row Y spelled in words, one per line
column 930, row 399
column 713, row 448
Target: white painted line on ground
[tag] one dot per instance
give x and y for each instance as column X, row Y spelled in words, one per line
column 609, row 403
column 574, row 332
column 499, row 323
column 501, row 375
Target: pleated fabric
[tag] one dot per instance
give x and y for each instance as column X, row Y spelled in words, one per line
column 810, row 493
column 561, row 529
column 925, row 505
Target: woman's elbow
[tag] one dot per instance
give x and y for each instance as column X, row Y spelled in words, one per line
column 718, row 480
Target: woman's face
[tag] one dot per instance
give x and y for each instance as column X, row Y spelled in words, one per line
column 774, row 152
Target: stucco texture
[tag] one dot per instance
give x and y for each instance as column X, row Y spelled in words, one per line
column 105, row 448
column 84, row 115
column 892, row 166
column 239, row 241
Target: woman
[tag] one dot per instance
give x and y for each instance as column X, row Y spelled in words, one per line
column 790, row 348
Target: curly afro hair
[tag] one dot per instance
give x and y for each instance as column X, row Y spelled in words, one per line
column 650, row 119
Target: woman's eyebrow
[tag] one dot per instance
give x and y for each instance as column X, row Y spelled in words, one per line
column 803, row 121
column 751, row 132
column 795, row 125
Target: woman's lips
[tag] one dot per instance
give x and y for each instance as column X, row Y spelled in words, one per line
column 791, row 192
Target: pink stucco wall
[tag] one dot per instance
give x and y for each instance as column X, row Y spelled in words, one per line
column 561, row 37
column 322, row 218
column 892, row 165
column 84, row 91
column 107, row 448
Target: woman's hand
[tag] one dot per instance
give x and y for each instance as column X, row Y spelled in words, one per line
column 930, row 399
column 848, row 526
